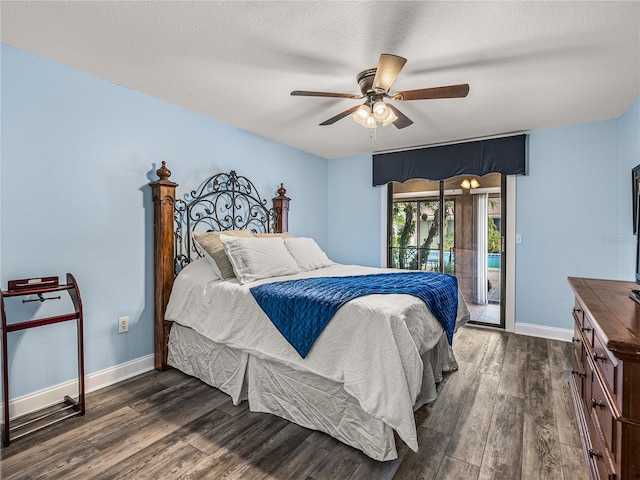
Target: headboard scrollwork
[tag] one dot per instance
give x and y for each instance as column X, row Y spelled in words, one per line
column 225, row 201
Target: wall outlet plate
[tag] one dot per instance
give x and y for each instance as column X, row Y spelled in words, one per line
column 123, row 324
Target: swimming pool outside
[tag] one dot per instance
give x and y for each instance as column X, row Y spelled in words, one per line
column 413, row 254
column 493, row 259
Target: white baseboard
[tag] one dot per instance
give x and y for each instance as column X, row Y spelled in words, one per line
column 553, row 333
column 95, row 381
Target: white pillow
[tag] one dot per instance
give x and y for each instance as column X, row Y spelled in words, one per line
column 256, row 258
column 307, row 254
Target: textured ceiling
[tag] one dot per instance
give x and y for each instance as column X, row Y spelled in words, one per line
column 529, row 65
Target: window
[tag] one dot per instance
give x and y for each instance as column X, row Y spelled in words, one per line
column 417, row 235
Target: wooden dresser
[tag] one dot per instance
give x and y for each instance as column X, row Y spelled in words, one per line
column 605, row 381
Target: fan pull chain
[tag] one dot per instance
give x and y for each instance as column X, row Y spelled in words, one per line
column 373, row 133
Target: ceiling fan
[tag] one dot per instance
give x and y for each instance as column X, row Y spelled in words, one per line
column 375, row 84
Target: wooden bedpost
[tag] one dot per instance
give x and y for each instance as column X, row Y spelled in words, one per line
column 164, row 194
column 281, row 207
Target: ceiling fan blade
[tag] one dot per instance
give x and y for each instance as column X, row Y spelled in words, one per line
column 402, row 121
column 305, row 93
column 388, row 69
column 450, row 91
column 341, row 115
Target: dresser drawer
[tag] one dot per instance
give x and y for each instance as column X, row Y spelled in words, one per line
column 578, row 312
column 604, row 416
column 587, row 368
column 579, row 375
column 578, row 343
column 598, row 454
column 587, row 331
column 605, row 362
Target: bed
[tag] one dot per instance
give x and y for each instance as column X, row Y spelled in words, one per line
column 377, row 361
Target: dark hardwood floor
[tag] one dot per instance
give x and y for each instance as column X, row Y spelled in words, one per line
column 505, row 414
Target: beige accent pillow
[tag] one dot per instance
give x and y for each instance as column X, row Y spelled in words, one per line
column 211, row 244
column 269, row 235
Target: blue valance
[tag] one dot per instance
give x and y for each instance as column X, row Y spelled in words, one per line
column 505, row 155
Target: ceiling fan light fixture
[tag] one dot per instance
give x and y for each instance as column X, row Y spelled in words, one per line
column 380, row 111
column 364, row 116
column 390, row 118
column 371, row 122
column 359, row 120
column 369, row 118
column 363, row 112
column 362, row 121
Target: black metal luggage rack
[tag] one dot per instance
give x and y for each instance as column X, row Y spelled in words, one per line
column 41, row 289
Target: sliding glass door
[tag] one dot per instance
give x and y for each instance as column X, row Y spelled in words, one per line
column 453, row 226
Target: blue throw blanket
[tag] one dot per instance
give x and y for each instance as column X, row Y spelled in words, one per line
column 301, row 309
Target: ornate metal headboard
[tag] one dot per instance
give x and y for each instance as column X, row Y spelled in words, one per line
column 225, row 201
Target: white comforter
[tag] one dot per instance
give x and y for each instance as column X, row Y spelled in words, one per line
column 372, row 345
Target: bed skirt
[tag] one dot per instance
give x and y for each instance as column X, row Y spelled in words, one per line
column 298, row 396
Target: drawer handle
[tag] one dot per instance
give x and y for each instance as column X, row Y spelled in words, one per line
column 576, row 340
column 595, row 403
column 585, row 329
column 593, row 453
column 579, row 373
column 597, row 356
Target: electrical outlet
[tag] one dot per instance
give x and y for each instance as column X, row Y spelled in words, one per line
column 123, row 324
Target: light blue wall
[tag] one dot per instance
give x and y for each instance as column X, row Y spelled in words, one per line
column 77, row 155
column 567, row 213
column 0, row 173
column 629, row 158
column 355, row 212
column 589, row 167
